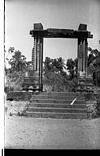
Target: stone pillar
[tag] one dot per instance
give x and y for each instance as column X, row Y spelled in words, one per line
column 41, row 64
column 82, row 57
column 85, row 79
column 38, row 58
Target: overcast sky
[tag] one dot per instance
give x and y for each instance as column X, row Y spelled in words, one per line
column 20, row 15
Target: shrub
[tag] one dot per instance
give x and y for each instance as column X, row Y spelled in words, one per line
column 58, row 82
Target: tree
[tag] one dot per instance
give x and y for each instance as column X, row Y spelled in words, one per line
column 18, row 61
column 47, row 65
column 54, row 65
column 58, row 64
column 72, row 67
column 14, row 75
column 76, row 66
column 55, row 75
column 94, row 64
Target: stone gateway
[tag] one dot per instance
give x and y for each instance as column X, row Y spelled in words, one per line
column 37, row 52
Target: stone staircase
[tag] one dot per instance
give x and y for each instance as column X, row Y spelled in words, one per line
column 57, row 105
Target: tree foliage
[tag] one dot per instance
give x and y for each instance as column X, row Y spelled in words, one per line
column 15, row 73
column 55, row 71
column 18, row 61
column 55, row 75
column 72, row 67
column 53, row 65
column 94, row 64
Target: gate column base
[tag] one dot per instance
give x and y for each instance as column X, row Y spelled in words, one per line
column 85, row 84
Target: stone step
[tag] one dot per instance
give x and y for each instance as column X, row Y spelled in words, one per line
column 56, row 110
column 57, row 105
column 61, row 93
column 57, row 97
column 65, row 101
column 56, row 115
column 72, row 95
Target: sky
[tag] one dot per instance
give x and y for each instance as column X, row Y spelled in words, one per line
column 20, row 15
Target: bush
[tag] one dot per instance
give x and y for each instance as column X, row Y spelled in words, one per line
column 14, row 81
column 58, row 82
column 98, row 104
column 8, row 89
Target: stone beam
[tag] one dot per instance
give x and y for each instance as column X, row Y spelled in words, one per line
column 61, row 33
column 52, row 33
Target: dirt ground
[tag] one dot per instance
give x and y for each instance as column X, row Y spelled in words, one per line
column 32, row 133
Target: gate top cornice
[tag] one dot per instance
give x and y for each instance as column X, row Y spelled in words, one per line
column 82, row 32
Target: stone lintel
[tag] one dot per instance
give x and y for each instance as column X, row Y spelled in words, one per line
column 61, row 33
column 82, row 32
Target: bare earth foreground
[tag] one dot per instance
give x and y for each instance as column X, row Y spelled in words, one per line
column 32, row 133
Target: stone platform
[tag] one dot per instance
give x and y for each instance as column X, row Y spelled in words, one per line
column 61, row 105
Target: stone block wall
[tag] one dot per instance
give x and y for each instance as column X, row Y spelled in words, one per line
column 19, row 96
